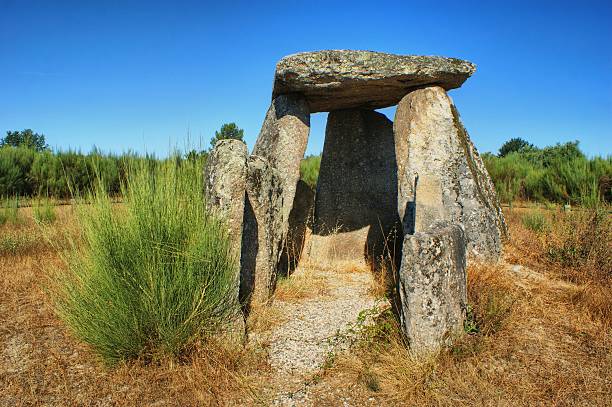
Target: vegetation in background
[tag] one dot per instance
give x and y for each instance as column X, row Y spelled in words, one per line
column 9, row 211
column 309, row 170
column 44, row 211
column 28, row 173
column 514, row 145
column 227, row 131
column 153, row 276
column 26, row 138
column 560, row 173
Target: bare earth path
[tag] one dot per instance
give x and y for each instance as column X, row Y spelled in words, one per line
column 315, row 328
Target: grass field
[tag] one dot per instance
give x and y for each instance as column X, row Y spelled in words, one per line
column 539, row 332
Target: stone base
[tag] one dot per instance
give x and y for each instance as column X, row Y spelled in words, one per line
column 433, row 287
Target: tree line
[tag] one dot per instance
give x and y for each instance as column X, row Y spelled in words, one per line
column 520, row 171
column 561, row 173
column 523, row 172
column 28, row 167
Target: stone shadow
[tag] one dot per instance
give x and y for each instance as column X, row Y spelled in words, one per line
column 357, row 186
column 248, row 255
column 300, row 218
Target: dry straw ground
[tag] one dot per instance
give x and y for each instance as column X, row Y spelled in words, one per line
column 539, row 334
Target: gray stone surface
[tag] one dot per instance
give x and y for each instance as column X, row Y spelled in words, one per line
column 342, row 79
column 357, row 186
column 299, row 220
column 262, row 232
column 440, row 174
column 224, row 188
column 283, row 139
column 432, row 287
column 224, row 178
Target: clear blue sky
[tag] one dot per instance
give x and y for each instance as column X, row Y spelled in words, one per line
column 142, row 75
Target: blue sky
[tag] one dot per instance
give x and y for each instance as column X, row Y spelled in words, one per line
column 144, row 75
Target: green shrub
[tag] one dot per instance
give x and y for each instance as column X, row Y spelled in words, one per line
column 535, row 221
column 153, row 275
column 309, row 170
column 15, row 164
column 16, row 243
column 9, row 211
column 580, row 243
column 44, row 211
column 560, row 173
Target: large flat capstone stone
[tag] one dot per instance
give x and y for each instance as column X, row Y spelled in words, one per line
column 342, row 79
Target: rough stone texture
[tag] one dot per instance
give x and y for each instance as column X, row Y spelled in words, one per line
column 262, row 231
column 432, row 286
column 357, row 186
column 342, row 79
column 440, row 174
column 225, row 177
column 283, row 139
column 299, row 219
column 224, row 187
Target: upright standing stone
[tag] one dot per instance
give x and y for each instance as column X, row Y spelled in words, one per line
column 440, row 174
column 262, row 233
column 432, row 287
column 357, row 186
column 283, row 139
column 224, row 188
column 224, row 178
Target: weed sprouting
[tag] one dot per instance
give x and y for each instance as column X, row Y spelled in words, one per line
column 536, row 222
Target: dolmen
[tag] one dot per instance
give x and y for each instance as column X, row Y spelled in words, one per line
column 416, row 185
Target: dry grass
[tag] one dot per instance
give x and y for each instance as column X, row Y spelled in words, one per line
column 536, row 338
column 263, row 317
column 532, row 347
column 540, row 337
column 575, row 247
column 41, row 363
column 304, row 283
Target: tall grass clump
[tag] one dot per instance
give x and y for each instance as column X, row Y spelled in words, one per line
column 9, row 211
column 153, row 276
column 44, row 211
column 580, row 243
column 535, row 221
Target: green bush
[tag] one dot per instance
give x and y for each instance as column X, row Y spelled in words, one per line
column 152, row 275
column 9, row 211
column 61, row 174
column 15, row 165
column 10, row 244
column 535, row 221
column 309, row 170
column 44, row 211
column 561, row 174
